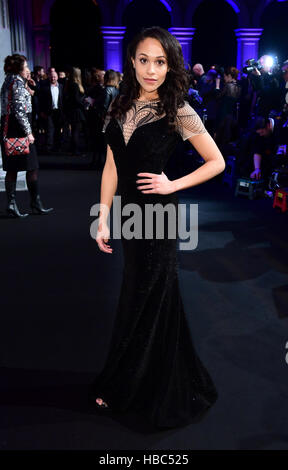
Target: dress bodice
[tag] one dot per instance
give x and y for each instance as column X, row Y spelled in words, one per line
column 142, row 142
column 188, row 122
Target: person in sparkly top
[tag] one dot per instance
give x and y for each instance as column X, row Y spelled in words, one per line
column 16, row 101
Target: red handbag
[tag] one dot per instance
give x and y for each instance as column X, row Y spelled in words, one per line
column 14, row 145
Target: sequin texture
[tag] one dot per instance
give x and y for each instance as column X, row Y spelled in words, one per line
column 21, row 103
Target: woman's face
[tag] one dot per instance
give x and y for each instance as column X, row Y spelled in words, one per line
column 151, row 66
column 25, row 71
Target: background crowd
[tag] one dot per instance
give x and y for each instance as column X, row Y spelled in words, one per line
column 245, row 111
column 69, row 111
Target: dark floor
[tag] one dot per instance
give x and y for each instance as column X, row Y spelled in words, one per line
column 58, row 299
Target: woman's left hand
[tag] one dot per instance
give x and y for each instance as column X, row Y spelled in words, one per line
column 155, row 183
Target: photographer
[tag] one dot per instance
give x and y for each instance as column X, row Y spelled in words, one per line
column 284, row 104
column 284, row 89
column 258, row 148
column 266, row 81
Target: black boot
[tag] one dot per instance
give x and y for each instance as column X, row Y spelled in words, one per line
column 12, row 209
column 36, row 204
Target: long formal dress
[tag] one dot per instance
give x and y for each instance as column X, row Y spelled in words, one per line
column 152, row 366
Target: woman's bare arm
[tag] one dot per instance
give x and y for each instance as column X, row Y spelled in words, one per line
column 109, row 183
column 214, row 162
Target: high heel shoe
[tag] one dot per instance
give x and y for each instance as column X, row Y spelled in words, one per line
column 101, row 405
column 37, row 207
column 12, row 209
column 100, row 408
column 36, row 203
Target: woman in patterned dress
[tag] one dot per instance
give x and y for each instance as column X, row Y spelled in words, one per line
column 19, row 125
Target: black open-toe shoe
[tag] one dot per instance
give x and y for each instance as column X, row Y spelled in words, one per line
column 100, row 403
column 101, row 408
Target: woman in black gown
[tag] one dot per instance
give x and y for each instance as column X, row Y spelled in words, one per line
column 152, row 366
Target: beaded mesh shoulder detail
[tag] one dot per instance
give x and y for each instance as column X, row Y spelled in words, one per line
column 188, row 122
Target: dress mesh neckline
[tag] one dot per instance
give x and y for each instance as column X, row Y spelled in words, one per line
column 155, row 100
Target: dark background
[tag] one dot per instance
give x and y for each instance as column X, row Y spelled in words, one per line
column 76, row 37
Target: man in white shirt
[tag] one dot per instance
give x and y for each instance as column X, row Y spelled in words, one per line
column 51, row 107
column 54, row 88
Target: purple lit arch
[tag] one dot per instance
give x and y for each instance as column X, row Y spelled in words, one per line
column 105, row 11
column 238, row 6
column 260, row 9
column 171, row 6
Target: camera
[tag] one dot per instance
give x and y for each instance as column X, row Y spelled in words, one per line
column 269, row 62
column 251, row 65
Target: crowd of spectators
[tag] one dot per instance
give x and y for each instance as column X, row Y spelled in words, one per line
column 246, row 113
column 69, row 111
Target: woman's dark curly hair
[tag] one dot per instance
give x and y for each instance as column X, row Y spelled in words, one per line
column 14, row 63
column 175, row 87
column 232, row 71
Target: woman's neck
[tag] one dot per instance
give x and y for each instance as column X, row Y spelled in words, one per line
column 146, row 96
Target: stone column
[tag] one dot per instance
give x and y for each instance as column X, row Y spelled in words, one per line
column 184, row 36
column 5, row 37
column 42, row 45
column 21, row 28
column 247, row 47
column 112, row 38
column 18, row 33
column 13, row 32
column 29, row 33
column 5, row 49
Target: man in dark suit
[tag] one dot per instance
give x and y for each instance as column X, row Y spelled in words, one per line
column 51, row 110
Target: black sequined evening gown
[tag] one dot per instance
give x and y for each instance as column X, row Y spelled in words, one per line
column 152, row 366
